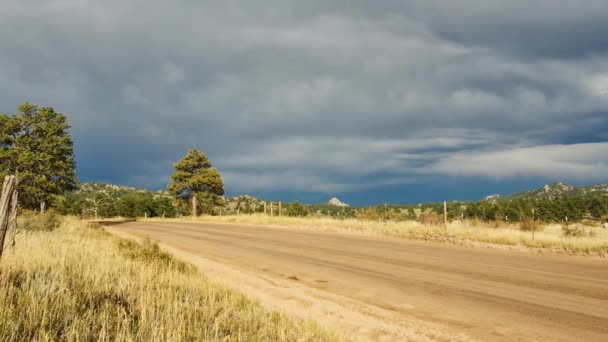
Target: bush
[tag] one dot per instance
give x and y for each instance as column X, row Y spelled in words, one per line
column 576, row 231
column 47, row 222
column 296, row 209
column 397, row 215
column 367, row 214
column 589, row 223
column 527, row 224
column 430, row 218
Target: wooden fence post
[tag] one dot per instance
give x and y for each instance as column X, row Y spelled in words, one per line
column 533, row 222
column 5, row 208
column 280, row 209
column 12, row 220
column 271, row 209
column 193, row 205
column 445, row 213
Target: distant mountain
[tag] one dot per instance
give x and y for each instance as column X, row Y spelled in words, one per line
column 336, row 202
column 555, row 190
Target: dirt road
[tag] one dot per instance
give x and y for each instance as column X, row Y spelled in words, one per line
column 383, row 289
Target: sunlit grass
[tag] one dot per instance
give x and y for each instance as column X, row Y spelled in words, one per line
column 78, row 283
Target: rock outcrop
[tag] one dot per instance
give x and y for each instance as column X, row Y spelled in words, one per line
column 337, row 202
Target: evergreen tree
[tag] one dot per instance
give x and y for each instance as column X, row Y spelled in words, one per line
column 163, row 207
column 36, row 147
column 195, row 177
column 296, row 209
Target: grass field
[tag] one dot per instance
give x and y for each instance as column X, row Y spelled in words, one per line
column 547, row 237
column 78, row 283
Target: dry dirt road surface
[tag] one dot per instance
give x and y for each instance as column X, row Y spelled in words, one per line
column 395, row 290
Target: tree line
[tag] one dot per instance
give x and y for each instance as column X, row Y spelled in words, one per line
column 131, row 205
column 36, row 147
column 550, row 210
column 147, row 204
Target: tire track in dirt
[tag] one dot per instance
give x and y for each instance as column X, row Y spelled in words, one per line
column 383, row 289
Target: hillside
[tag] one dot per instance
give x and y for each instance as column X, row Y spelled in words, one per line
column 554, row 191
column 113, row 191
column 244, row 204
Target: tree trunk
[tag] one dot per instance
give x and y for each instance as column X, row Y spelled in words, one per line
column 194, row 206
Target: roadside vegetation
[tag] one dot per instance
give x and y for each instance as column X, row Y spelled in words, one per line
column 66, row 280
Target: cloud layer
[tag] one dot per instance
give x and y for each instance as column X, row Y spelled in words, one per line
column 318, row 97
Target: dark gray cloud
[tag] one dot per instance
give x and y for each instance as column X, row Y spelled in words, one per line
column 527, row 29
column 316, row 96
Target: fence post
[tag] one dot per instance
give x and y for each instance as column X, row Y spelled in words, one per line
column 12, row 220
column 533, row 223
column 5, row 208
column 271, row 209
column 445, row 213
column 194, row 204
column 280, row 209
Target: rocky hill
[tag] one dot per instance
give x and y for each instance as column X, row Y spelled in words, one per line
column 244, row 204
column 238, row 204
column 555, row 190
column 112, row 191
column 336, row 202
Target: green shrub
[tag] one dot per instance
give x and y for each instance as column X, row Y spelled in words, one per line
column 296, row 209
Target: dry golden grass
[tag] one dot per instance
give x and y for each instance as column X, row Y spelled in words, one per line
column 548, row 237
column 78, row 283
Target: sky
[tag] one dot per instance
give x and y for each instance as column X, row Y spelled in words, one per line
column 370, row 101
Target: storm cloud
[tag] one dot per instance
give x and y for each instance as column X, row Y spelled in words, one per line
column 294, row 98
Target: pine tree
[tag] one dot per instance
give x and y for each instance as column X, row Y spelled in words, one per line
column 36, row 147
column 196, row 181
column 296, row 209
